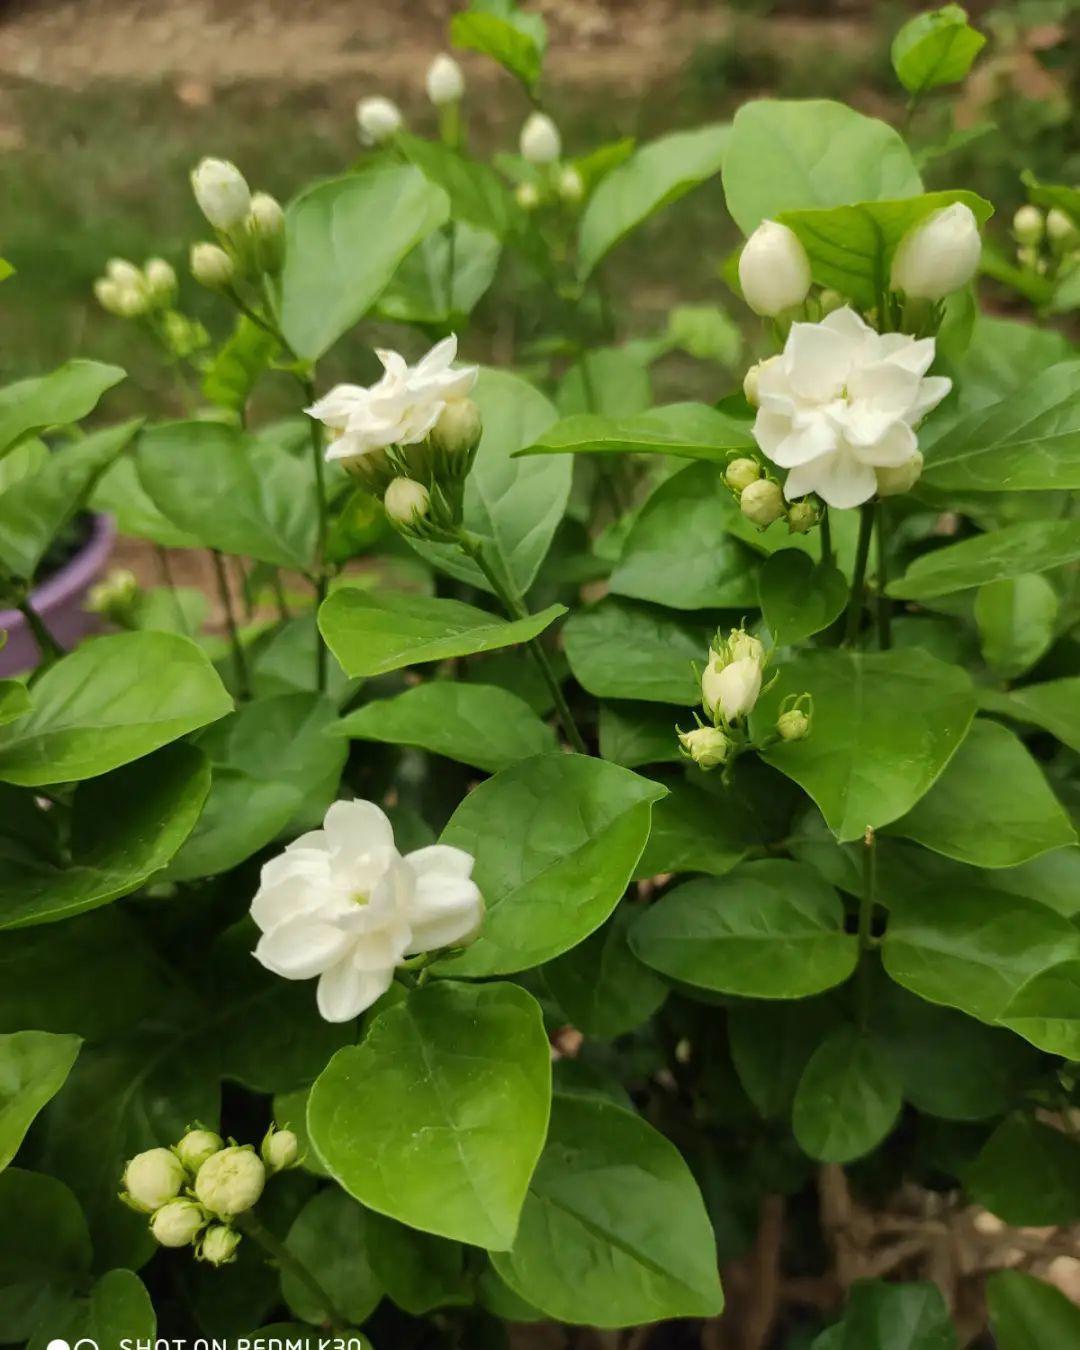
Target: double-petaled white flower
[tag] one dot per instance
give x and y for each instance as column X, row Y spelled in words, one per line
column 400, row 409
column 842, row 401
column 342, row 904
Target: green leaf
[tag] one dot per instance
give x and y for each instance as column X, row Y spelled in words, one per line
column 1065, row 198
column 344, row 241
column 33, row 1068
column 851, row 248
column 556, row 840
column 706, row 332
column 613, row 381
column 769, row 929
column 438, row 1117
column 1017, row 622
column 108, row 702
column 632, row 734
column 375, row 632
column 1002, row 357
column 679, row 553
column 885, row 726
column 975, row 951
column 116, row 1313
column 36, row 508
column 653, row 177
column 690, row 430
column 800, row 597
column 1033, row 546
column 514, row 507
column 236, row 368
column 1054, row 706
column 935, row 48
column 500, row 30
column 418, row 1271
column 621, row 650
column 690, row 834
column 799, row 154
column 65, row 395
column 231, row 491
column 771, row 1044
column 601, row 985
column 119, row 493
column 1027, row 1174
column 1046, row 1010
column 14, row 700
column 848, row 1098
column 329, row 1236
column 883, row 1316
column 44, row 1250
column 477, row 724
column 1027, row 1314
column 1029, row 441
column 125, row 826
column 478, row 195
column 443, row 278
column 962, row 817
column 614, row 1231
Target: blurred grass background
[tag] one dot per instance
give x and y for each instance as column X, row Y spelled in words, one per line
column 105, row 105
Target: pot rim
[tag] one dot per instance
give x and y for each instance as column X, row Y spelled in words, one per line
column 74, row 577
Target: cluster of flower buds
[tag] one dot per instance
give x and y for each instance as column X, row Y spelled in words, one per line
column 115, row 597
column 425, row 497
column 540, row 145
column 132, row 292
column 195, row 1191
column 1049, row 244
column 761, row 499
column 250, row 228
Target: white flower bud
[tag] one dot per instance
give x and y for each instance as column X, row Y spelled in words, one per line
column 444, row 81
column 378, row 119
column 280, row 1149
column 222, row 193
column 774, row 271
column 406, row 502
column 894, row 480
column 160, row 278
column 211, row 266
column 459, row 427
column 124, row 273
column 740, row 473
column 218, row 1245
column 177, row 1223
column 196, row 1146
column 1060, row 228
column 527, row 196
column 266, row 227
column 231, row 1181
column 706, row 746
column 743, row 646
column 1028, row 224
column 735, row 689
column 126, row 302
column 540, row 142
column 570, row 185
column 762, row 502
column 152, row 1178
column 793, row 724
column 939, row 255
column 801, row 517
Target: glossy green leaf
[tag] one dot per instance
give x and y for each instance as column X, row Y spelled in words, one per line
column 231, row 491
column 771, row 1043
column 419, row 1272
column 798, row 154
column 125, row 826
column 1046, row 1010
column 693, row 832
column 800, row 597
column 1017, row 622
column 375, row 632
column 556, row 840
column 443, row 278
column 438, row 1117
column 1012, row 551
column 851, row 248
column 613, row 381
column 238, row 364
column 885, row 725
column 1054, row 706
column 848, row 1098
column 344, row 240
column 14, row 700
column 108, row 702
column 678, row 551
column 623, row 650
column 614, row 1231
column 477, row 724
column 329, row 1236
column 935, row 48
column 33, row 1067
column 38, row 506
column 992, row 805
column 632, row 734
column 44, row 1250
column 706, row 332
column 881, row 1316
column 1027, row 1173
column 65, row 395
column 479, row 196
column 689, row 430
column 601, row 985
column 653, row 177
column 500, row 30
column 112, row 1316
column 119, row 493
column 1028, row 1314
column 770, row 929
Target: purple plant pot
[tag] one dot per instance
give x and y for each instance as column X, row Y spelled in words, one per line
column 59, row 601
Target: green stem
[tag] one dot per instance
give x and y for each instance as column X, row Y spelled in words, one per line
column 48, row 646
column 858, row 580
column 279, row 595
column 516, row 608
column 167, row 577
column 884, row 604
column 866, row 917
column 826, row 536
column 321, row 580
column 284, row 1259
column 240, row 669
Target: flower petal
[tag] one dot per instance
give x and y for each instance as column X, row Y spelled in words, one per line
column 357, row 827
column 345, row 992
column 446, row 910
column 441, row 859
column 301, row 948
column 838, row 479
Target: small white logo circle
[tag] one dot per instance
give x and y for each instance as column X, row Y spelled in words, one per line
column 58, row 1344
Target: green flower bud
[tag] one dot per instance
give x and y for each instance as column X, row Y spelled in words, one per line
column 196, row 1146
column 762, row 502
column 218, row 1245
column 406, row 502
column 740, row 473
column 1060, row 228
column 124, row 273
column 231, row 1181
column 802, row 517
column 793, row 724
column 280, row 1149
column 266, row 226
column 160, row 279
column 458, row 430
column 570, row 185
column 706, row 746
column 893, row 481
column 177, row 1223
column 527, row 196
column 211, row 266
column 152, row 1178
column 1029, row 225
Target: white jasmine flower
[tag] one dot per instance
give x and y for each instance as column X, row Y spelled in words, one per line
column 342, row 904
column 444, row 81
column 400, row 409
column 732, row 690
column 540, row 142
column 939, row 255
column 222, row 193
column 842, row 401
column 774, row 271
column 378, row 119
